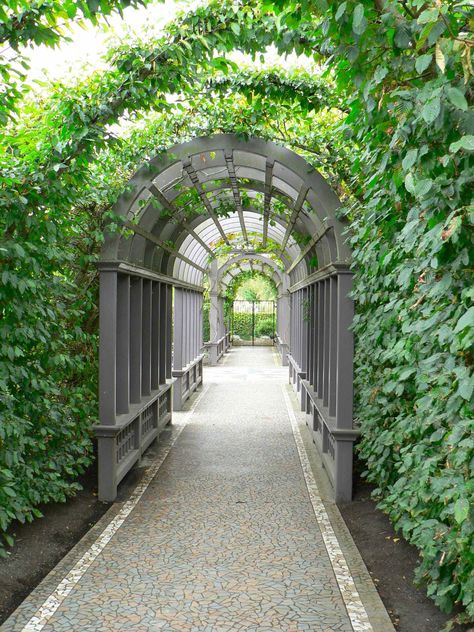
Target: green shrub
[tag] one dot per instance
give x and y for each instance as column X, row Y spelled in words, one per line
column 264, row 327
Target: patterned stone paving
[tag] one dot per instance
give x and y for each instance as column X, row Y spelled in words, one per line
column 225, row 536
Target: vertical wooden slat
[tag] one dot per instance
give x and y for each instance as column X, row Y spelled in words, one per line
column 169, row 331
column 155, row 336
column 178, row 329
column 123, row 344
column 345, row 350
column 332, row 345
column 146, row 338
column 163, row 332
column 326, row 343
column 136, row 298
column 108, row 348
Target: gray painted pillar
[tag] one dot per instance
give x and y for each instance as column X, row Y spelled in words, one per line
column 298, row 328
column 193, row 324
column 178, row 329
column 155, row 337
column 107, row 337
column 327, row 327
column 214, row 303
column 188, row 328
column 191, row 327
column 169, row 331
column 136, row 300
column 345, row 349
column 283, row 319
column 185, row 331
column 310, row 329
column 200, row 322
column 320, row 330
column 292, row 324
column 123, row 344
column 163, row 328
column 146, row 338
column 332, row 345
column 314, row 383
column 304, row 329
column 221, row 317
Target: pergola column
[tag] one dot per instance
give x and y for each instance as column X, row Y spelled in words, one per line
column 134, row 399
column 283, row 324
column 215, row 314
column 187, row 336
column 321, row 363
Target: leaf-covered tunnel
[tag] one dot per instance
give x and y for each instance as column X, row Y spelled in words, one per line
column 189, row 216
column 384, row 113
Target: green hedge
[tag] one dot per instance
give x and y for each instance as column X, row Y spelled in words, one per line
column 242, row 325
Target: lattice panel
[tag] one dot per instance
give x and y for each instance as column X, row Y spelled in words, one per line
column 331, row 446
column 316, row 421
column 148, row 419
column 126, row 441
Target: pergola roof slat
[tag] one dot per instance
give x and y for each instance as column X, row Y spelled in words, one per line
column 267, row 199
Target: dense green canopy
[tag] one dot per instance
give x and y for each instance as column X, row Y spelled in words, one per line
column 385, row 113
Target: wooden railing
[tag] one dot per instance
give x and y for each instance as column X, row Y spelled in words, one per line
column 217, row 348
column 187, row 381
column 122, row 445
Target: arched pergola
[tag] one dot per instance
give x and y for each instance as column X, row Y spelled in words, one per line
column 220, row 278
column 180, row 210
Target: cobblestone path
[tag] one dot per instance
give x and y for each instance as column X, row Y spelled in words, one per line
column 224, row 538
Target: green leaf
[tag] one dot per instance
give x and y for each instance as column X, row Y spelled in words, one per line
column 402, row 37
column 461, row 510
column 406, row 373
column 465, row 142
column 457, row 98
column 422, row 63
column 359, row 23
column 410, row 159
column 466, row 388
column 9, row 540
column 466, row 320
column 431, row 110
column 380, row 73
column 340, row 11
column 423, row 187
column 429, row 15
column 409, row 183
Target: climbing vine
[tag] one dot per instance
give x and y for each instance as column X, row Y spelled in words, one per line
column 385, row 114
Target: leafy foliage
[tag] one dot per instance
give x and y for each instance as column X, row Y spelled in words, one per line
column 387, row 119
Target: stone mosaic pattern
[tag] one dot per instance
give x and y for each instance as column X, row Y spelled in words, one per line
column 355, row 608
column 223, row 538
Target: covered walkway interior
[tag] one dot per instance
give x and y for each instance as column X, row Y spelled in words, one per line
column 192, row 219
column 226, row 531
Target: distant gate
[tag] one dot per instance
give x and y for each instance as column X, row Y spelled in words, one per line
column 253, row 322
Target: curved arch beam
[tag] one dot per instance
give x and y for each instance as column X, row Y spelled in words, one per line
column 192, row 165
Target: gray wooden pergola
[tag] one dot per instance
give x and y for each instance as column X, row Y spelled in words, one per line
column 263, row 263
column 178, row 211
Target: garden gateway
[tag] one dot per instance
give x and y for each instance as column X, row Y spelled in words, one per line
column 136, row 198
column 140, row 326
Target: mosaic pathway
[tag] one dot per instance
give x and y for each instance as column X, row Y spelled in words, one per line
column 225, row 537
